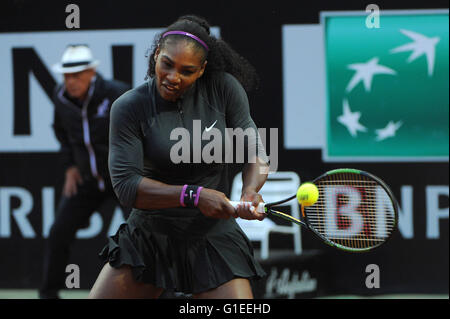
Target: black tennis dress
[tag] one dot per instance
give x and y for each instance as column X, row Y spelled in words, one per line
column 178, row 143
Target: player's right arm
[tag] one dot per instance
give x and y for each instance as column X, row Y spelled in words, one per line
column 126, row 166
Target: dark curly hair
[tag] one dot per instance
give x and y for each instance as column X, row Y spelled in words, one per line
column 221, row 57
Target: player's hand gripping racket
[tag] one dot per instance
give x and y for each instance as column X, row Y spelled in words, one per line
column 355, row 211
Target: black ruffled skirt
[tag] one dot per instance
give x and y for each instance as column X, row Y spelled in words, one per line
column 182, row 253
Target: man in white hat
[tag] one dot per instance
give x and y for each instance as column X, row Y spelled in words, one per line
column 81, row 125
column 78, row 66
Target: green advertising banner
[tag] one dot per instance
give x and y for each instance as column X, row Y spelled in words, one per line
column 387, row 86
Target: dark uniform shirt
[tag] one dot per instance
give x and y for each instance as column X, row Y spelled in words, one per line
column 176, row 142
column 178, row 248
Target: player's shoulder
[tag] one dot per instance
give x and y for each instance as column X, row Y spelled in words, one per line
column 132, row 100
column 222, row 78
column 222, row 83
column 228, row 83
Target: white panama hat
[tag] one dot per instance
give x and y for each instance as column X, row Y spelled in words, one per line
column 76, row 58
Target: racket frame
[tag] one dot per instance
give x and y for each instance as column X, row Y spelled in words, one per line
column 303, row 220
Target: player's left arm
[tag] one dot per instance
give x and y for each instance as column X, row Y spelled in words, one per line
column 253, row 177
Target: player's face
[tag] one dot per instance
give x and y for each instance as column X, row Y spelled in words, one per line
column 77, row 84
column 178, row 66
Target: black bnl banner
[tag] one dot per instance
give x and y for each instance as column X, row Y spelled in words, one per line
column 342, row 85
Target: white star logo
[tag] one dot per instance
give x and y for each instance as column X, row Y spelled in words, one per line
column 389, row 131
column 365, row 73
column 351, row 120
column 421, row 45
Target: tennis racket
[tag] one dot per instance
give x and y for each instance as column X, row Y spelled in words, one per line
column 356, row 211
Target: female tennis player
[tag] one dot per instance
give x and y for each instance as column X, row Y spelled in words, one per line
column 182, row 234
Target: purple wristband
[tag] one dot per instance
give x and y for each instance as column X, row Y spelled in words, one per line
column 197, row 196
column 182, row 195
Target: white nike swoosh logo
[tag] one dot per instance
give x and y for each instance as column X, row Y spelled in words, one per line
column 190, row 194
column 209, row 128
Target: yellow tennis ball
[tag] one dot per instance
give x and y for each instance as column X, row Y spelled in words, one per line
column 307, row 194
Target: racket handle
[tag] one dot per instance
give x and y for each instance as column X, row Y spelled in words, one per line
column 259, row 209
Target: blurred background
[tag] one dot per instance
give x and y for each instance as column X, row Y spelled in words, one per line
column 310, row 57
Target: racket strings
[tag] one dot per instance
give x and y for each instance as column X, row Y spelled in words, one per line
column 352, row 211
